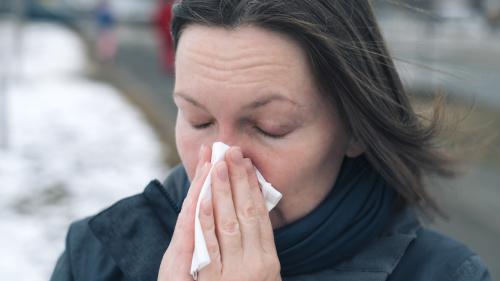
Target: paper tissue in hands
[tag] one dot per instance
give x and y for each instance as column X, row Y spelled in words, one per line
column 200, row 254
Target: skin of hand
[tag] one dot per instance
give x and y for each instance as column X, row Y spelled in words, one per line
column 235, row 223
column 176, row 262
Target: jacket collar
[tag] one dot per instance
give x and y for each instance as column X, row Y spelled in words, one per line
column 136, row 233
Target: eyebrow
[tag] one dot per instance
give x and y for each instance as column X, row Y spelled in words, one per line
column 253, row 105
column 189, row 99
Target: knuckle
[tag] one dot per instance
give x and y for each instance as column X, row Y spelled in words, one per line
column 249, row 213
column 230, row 226
column 239, row 175
column 261, row 211
column 222, row 190
column 213, row 249
column 207, row 224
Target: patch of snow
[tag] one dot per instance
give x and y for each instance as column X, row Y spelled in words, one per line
column 75, row 147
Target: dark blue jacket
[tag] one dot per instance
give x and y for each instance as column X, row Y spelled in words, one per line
column 127, row 242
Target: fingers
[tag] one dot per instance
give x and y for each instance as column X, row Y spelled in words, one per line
column 235, row 221
column 205, row 154
column 189, row 205
column 184, row 228
column 226, row 221
column 246, row 209
column 177, row 259
column 203, row 157
column 213, row 270
column 200, row 175
column 265, row 226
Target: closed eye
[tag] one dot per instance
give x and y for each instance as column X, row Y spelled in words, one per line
column 256, row 128
column 270, row 135
column 202, row 126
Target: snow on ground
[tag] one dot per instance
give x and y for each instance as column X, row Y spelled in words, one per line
column 75, row 147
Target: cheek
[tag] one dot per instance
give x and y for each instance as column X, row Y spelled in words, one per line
column 188, row 145
column 281, row 166
column 298, row 164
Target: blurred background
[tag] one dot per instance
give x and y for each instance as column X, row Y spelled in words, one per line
column 86, row 115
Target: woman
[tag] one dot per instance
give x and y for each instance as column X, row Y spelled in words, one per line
column 305, row 92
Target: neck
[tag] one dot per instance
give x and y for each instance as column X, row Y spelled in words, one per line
column 288, row 211
column 277, row 218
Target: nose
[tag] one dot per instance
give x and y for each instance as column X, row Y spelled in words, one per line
column 233, row 138
column 248, row 147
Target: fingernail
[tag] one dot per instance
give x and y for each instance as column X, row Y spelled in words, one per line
column 222, row 172
column 236, row 156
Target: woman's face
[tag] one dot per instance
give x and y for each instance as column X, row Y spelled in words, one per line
column 253, row 88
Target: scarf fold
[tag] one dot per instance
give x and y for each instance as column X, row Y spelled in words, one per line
column 354, row 212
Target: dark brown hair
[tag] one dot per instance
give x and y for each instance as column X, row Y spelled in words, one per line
column 355, row 73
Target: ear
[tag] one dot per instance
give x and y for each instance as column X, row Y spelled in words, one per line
column 354, row 148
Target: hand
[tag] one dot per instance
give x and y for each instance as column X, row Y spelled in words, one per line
column 236, row 225
column 176, row 262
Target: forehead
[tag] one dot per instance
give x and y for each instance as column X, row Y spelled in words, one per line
column 216, row 61
column 225, row 45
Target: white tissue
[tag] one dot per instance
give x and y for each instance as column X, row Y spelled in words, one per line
column 200, row 253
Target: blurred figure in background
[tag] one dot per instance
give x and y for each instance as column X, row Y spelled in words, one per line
column 162, row 19
column 106, row 37
column 493, row 13
column 490, row 10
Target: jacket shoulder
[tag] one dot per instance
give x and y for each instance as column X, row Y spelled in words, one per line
column 434, row 256
column 82, row 247
column 126, row 239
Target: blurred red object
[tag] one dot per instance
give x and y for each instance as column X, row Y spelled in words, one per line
column 106, row 38
column 162, row 19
